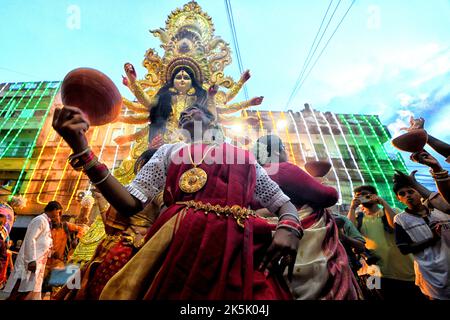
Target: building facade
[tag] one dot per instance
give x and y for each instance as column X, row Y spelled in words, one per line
column 353, row 143
column 34, row 162
column 24, row 108
column 33, row 157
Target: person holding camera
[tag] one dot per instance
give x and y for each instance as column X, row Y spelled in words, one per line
column 423, row 229
column 374, row 218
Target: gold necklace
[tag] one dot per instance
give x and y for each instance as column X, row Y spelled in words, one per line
column 194, row 179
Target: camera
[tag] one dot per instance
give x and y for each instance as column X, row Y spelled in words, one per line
column 365, row 198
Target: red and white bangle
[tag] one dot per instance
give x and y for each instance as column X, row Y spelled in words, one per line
column 293, row 226
column 97, row 167
column 78, row 161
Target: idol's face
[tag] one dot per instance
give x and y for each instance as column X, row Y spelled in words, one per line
column 182, row 81
column 409, row 197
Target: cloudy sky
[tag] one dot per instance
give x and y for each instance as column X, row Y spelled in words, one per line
column 390, row 58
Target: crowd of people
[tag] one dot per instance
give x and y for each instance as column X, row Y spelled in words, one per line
column 204, row 219
column 47, row 245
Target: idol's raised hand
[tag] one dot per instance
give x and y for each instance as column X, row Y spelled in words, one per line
column 72, row 125
column 130, row 72
column 256, row 101
column 245, row 76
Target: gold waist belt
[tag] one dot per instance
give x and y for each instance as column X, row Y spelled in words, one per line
column 238, row 213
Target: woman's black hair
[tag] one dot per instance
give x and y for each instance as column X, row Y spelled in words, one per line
column 269, row 141
column 161, row 112
column 143, row 159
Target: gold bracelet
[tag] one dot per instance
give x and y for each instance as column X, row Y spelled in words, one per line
column 74, row 156
column 439, row 175
column 102, row 180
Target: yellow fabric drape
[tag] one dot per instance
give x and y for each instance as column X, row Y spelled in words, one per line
column 131, row 282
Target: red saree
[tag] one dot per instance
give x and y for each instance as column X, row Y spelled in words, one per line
column 209, row 256
column 337, row 281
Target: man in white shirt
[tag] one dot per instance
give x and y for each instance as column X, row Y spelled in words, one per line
column 25, row 283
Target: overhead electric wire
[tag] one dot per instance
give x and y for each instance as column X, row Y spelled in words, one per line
column 234, row 33
column 302, row 71
column 297, row 89
column 19, row 72
column 323, row 49
column 235, row 42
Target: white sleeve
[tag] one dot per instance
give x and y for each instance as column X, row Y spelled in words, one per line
column 29, row 242
column 151, row 179
column 267, row 192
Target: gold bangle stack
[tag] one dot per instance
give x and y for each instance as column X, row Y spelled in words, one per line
column 440, row 175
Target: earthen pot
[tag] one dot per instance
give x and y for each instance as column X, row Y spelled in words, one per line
column 94, row 93
column 317, row 169
column 412, row 141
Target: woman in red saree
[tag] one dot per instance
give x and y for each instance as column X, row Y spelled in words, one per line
column 322, row 270
column 207, row 244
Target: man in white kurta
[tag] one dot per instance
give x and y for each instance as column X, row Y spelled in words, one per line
column 26, row 280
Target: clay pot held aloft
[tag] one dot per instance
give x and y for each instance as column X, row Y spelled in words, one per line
column 412, row 141
column 94, row 93
column 318, row 169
